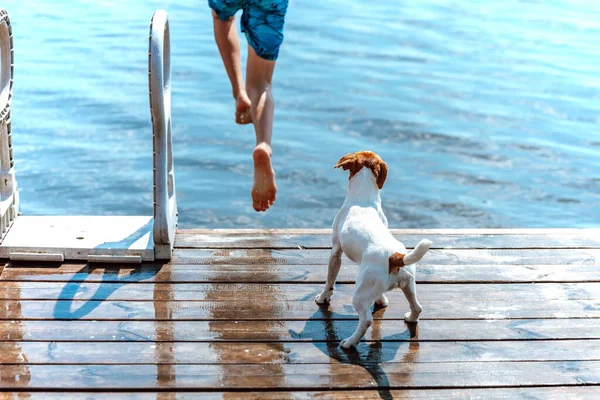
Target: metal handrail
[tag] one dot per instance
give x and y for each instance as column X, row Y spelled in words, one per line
column 159, row 82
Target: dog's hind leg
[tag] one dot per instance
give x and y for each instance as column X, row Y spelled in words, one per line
column 362, row 306
column 362, row 300
column 410, row 291
column 335, row 262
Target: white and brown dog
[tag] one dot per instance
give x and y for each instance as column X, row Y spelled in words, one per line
column 360, row 230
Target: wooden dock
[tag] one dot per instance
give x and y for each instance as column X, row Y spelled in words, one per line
column 506, row 314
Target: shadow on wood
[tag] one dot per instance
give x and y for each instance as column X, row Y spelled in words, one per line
column 371, row 355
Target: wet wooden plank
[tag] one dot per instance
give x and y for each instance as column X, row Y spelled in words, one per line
column 303, row 376
column 464, row 231
column 446, row 257
column 174, row 273
column 295, row 273
column 322, row 240
column 288, row 310
column 312, row 330
column 455, row 293
column 299, row 331
column 546, row 393
column 389, row 351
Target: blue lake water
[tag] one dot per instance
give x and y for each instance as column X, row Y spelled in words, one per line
column 487, row 112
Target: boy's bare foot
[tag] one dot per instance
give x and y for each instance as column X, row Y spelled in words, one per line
column 264, row 189
column 242, row 110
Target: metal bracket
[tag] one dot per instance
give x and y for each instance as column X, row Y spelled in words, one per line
column 159, row 82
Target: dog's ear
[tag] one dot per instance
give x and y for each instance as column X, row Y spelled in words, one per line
column 381, row 174
column 355, row 161
column 349, row 162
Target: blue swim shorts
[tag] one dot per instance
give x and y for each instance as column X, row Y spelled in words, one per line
column 262, row 22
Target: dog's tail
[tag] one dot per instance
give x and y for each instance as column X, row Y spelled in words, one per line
column 399, row 260
column 418, row 252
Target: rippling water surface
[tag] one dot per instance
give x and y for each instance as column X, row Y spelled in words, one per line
column 487, row 112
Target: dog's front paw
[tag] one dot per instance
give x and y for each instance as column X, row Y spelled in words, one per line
column 412, row 316
column 347, row 343
column 324, row 297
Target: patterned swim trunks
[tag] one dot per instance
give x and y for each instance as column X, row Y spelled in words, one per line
column 262, row 22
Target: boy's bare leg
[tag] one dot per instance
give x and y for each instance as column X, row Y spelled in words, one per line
column 229, row 46
column 258, row 86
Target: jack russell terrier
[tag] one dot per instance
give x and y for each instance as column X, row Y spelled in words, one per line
column 360, row 230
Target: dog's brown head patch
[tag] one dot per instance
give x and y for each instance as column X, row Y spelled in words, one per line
column 396, row 262
column 355, row 161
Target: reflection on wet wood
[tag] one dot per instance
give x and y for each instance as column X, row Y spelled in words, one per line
column 14, row 367
column 272, row 294
column 232, row 316
column 162, row 352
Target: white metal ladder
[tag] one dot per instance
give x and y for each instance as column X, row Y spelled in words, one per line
column 94, row 238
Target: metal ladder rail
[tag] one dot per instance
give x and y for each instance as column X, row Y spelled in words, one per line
column 159, row 82
column 9, row 194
